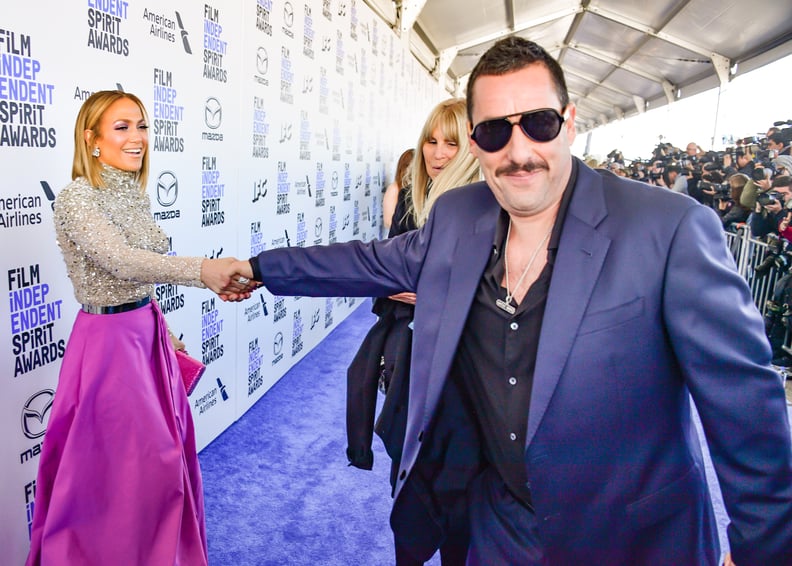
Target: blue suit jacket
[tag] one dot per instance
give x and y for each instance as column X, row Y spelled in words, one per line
column 644, row 308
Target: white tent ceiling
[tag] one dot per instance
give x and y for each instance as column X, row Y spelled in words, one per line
column 620, row 57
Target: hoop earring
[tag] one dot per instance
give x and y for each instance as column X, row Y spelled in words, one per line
column 96, row 152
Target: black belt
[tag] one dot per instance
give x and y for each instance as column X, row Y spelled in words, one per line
column 115, row 309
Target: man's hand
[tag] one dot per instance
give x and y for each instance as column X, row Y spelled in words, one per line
column 784, row 224
column 773, row 207
column 242, row 268
column 240, row 273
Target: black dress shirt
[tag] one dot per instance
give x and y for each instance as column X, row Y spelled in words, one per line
column 496, row 356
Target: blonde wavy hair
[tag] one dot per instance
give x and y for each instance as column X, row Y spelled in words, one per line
column 88, row 118
column 450, row 117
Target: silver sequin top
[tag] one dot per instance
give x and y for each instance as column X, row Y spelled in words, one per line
column 114, row 251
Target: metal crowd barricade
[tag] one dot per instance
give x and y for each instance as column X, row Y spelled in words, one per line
column 749, row 253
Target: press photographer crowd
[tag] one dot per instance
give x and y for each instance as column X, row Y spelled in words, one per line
column 749, row 185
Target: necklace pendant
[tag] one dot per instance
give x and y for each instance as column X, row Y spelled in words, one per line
column 503, row 305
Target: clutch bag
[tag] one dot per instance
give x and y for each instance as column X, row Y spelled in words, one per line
column 191, row 370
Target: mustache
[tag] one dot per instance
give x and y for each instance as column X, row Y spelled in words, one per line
column 512, row 167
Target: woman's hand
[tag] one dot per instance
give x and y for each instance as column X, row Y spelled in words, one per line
column 176, row 342
column 405, row 297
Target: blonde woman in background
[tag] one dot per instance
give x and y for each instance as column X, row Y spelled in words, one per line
column 442, row 161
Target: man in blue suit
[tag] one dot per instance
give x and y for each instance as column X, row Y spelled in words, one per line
column 566, row 317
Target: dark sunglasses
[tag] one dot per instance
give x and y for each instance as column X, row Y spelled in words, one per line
column 541, row 125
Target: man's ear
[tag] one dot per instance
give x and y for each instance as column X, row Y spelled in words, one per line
column 474, row 148
column 569, row 121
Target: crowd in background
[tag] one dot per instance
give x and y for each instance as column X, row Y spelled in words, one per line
column 747, row 185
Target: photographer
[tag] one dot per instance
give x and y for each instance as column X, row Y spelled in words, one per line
column 728, row 167
column 654, row 173
column 772, row 208
column 674, row 179
column 763, row 220
column 778, row 143
column 710, row 187
column 783, row 165
column 745, row 162
column 736, row 213
column 783, row 186
column 693, row 151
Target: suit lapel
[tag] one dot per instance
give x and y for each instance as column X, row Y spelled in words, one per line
column 470, row 256
column 581, row 255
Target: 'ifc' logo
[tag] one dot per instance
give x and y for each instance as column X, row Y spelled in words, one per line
column 167, row 188
column 213, row 113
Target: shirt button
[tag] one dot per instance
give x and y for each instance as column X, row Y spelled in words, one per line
column 513, row 436
column 512, row 381
column 514, row 326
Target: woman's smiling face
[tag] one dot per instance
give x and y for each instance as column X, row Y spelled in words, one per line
column 123, row 136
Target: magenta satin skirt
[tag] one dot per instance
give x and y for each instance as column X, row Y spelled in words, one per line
column 118, row 480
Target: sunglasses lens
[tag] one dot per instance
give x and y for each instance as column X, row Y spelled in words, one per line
column 492, row 135
column 541, row 126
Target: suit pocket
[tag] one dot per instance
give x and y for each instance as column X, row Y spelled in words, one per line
column 611, row 317
column 665, row 502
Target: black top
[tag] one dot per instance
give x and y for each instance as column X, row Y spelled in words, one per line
column 496, row 356
column 402, row 221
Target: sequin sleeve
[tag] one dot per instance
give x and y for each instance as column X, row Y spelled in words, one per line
column 113, row 249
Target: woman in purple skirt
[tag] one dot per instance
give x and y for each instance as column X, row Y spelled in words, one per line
column 118, row 481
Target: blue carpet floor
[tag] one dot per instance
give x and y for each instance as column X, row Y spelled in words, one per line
column 277, row 486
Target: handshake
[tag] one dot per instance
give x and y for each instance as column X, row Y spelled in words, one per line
column 230, row 278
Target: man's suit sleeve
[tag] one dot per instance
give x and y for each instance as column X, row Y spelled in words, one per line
column 719, row 340
column 353, row 269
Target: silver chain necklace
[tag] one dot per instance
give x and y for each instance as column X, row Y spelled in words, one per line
column 506, row 304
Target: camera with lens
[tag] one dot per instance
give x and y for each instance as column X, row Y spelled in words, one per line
column 712, row 160
column 764, row 157
column 770, row 197
column 722, row 191
column 749, row 141
column 778, row 256
column 786, row 133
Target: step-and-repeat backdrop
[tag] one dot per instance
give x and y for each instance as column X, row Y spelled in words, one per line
column 272, row 123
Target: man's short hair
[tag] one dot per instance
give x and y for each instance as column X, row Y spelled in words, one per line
column 513, row 54
column 781, row 181
column 777, row 137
